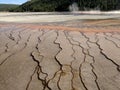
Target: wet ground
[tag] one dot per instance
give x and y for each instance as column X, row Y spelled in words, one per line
column 66, row 55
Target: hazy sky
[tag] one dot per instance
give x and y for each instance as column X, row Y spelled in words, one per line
column 12, row 1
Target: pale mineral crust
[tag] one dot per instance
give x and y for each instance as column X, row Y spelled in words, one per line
column 60, row 56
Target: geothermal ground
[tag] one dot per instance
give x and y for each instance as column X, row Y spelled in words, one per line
column 41, row 51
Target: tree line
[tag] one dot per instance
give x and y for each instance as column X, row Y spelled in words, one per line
column 63, row 5
column 103, row 5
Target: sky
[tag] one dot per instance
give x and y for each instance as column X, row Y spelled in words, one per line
column 13, row 1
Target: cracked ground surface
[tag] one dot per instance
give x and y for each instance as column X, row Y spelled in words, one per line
column 64, row 57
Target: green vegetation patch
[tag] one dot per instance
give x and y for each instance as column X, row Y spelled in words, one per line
column 7, row 7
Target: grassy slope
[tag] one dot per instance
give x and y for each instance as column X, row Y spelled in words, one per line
column 6, row 7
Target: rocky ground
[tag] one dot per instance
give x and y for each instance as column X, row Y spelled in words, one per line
column 60, row 56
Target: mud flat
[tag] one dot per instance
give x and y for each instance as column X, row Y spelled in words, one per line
column 69, row 55
column 52, row 17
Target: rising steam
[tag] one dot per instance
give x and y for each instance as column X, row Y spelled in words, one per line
column 74, row 7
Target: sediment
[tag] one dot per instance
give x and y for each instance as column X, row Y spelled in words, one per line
column 39, row 58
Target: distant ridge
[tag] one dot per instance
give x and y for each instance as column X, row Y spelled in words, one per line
column 44, row 5
column 63, row 5
column 7, row 7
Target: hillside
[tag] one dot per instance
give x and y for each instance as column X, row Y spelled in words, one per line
column 44, row 5
column 7, row 7
column 63, row 5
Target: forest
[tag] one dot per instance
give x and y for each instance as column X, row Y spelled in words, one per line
column 63, row 5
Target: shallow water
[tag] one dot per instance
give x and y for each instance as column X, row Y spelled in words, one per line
column 37, row 17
